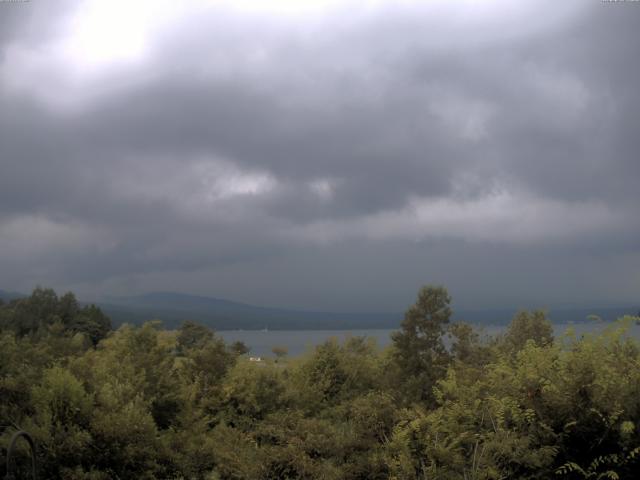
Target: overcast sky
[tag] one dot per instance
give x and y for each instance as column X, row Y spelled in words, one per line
column 327, row 155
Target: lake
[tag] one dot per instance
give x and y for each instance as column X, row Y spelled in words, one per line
column 299, row 341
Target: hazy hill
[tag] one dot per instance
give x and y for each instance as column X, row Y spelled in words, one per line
column 173, row 308
column 6, row 295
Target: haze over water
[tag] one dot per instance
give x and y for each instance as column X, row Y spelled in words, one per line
column 298, row 342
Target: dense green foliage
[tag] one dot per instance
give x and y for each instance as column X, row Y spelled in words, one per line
column 145, row 403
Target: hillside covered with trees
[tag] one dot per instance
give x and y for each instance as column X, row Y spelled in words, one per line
column 142, row 402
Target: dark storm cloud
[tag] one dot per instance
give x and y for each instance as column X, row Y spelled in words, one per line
column 239, row 137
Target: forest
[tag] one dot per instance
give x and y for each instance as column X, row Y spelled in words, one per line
column 443, row 401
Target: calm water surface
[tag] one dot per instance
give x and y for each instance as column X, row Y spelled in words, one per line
column 299, row 341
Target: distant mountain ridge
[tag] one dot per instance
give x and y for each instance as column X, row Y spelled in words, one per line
column 173, row 308
column 7, row 296
column 180, row 301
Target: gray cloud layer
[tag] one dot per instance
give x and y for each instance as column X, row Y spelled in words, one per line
column 322, row 158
